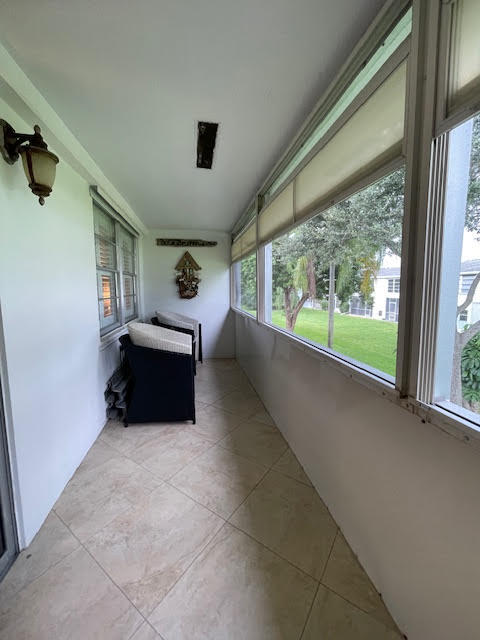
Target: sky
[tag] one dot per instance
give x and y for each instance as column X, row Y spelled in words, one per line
column 470, row 250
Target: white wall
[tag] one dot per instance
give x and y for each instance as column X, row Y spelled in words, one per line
column 212, row 304
column 54, row 373
column 405, row 494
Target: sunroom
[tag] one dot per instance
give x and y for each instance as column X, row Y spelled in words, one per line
column 239, row 320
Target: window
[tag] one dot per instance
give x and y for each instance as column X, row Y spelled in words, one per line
column 388, row 46
column 465, row 283
column 115, row 250
column 323, row 275
column 457, row 376
column 394, row 285
column 245, row 284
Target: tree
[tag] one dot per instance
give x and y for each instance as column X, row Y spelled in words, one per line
column 462, row 338
column 463, row 385
column 353, row 235
column 248, row 279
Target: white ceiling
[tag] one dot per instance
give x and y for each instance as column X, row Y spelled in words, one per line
column 131, row 77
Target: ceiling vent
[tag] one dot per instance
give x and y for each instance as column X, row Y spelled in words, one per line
column 207, row 136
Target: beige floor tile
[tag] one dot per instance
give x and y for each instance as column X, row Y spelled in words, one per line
column 222, row 364
column 99, row 453
column 73, row 600
column 263, row 416
column 260, row 442
column 333, row 618
column 211, row 391
column 146, row 632
column 214, row 424
column 200, row 405
column 345, row 576
column 236, row 589
column 219, row 479
column 171, row 450
column 93, row 498
column 237, row 380
column 148, row 547
column 289, row 518
column 51, row 544
column 243, row 404
column 125, row 440
column 290, row 466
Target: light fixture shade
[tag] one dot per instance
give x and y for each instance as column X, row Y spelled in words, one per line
column 40, row 167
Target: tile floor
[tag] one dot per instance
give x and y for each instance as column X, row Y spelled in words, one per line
column 210, row 531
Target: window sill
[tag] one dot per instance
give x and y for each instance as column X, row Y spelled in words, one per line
column 440, row 416
column 112, row 336
column 365, row 376
column 244, row 313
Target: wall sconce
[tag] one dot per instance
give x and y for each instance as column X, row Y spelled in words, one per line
column 39, row 164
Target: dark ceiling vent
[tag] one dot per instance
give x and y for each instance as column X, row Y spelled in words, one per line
column 207, row 136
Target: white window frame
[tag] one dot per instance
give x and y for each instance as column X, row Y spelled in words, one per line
column 107, row 333
column 426, row 146
column 233, row 285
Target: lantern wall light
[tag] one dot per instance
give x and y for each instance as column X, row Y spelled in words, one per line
column 39, row 163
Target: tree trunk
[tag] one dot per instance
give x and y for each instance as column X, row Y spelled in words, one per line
column 288, row 308
column 291, row 314
column 456, row 395
column 331, row 304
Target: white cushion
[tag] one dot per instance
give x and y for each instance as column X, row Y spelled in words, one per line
column 148, row 335
column 178, row 320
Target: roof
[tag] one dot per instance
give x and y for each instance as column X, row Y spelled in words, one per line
column 389, row 272
column 468, row 266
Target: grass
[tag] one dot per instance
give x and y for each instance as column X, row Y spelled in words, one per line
column 373, row 342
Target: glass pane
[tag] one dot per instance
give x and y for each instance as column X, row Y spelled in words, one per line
column 104, row 224
column 125, row 240
column 130, row 307
column 106, row 284
column 108, row 312
column 457, row 375
column 245, row 278
column 335, row 280
column 128, row 261
column 105, row 253
column 128, row 285
column 464, row 53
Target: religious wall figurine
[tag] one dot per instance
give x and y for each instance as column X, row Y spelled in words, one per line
column 187, row 280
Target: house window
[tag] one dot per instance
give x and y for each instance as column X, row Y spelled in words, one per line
column 457, row 372
column 115, row 250
column 335, row 259
column 245, row 284
column 466, row 282
column 394, row 285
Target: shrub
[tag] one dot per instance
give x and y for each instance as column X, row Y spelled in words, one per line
column 471, row 371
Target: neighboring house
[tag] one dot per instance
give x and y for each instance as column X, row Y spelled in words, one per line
column 469, row 270
column 386, row 295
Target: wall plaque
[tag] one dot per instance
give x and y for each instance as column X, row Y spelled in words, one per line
column 182, row 242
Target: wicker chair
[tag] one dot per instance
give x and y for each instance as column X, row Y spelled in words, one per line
column 179, row 322
column 162, row 388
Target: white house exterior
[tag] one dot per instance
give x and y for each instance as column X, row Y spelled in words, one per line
column 386, row 295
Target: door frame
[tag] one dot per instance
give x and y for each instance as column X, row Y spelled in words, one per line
column 7, row 509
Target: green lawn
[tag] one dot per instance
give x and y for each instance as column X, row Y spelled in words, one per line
column 373, row 342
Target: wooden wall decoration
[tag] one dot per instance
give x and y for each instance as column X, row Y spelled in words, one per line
column 187, row 279
column 182, row 242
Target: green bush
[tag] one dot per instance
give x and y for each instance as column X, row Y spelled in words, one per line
column 471, row 371
column 324, row 305
column 344, row 307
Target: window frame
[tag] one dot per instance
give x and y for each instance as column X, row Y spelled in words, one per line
column 233, row 292
column 118, row 273
column 427, row 123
